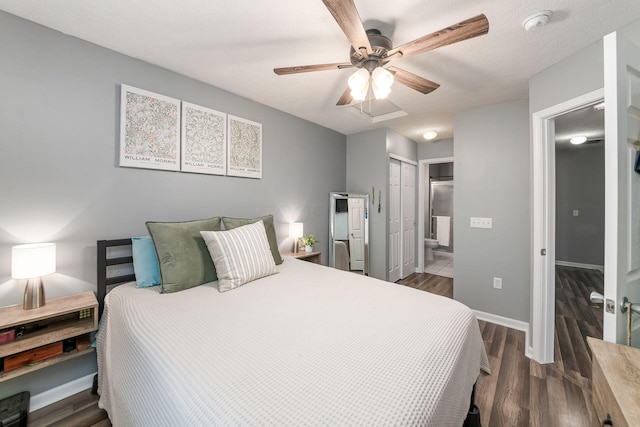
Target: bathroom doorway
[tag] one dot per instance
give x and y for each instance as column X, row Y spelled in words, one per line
column 437, row 187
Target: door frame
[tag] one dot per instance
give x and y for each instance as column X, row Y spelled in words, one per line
column 420, row 241
column 543, row 236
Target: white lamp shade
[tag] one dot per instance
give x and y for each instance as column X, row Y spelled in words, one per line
column 382, row 78
column 380, row 92
column 33, row 260
column 358, row 80
column 296, row 230
column 361, row 94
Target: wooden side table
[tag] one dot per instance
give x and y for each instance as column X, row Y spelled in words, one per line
column 314, row 257
column 38, row 334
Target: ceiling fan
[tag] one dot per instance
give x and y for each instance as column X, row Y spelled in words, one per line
column 371, row 51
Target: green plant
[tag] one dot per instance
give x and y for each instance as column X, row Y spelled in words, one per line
column 308, row 241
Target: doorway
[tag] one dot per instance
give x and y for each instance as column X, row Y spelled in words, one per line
column 543, row 252
column 439, row 220
column 579, row 231
column 435, row 216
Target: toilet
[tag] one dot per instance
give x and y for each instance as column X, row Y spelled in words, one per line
column 429, row 246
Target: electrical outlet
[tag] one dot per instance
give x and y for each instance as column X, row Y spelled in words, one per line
column 481, row 222
column 497, row 282
column 576, row 212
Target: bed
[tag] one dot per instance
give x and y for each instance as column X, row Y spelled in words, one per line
column 310, row 345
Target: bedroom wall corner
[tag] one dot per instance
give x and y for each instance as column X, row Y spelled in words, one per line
column 367, row 169
column 492, row 180
column 59, row 115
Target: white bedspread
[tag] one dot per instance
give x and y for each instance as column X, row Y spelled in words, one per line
column 308, row 346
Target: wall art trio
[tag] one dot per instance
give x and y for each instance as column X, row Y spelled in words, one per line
column 159, row 132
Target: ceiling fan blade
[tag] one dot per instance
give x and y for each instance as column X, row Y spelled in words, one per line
column 464, row 30
column 347, row 17
column 309, row 68
column 345, row 98
column 414, row 82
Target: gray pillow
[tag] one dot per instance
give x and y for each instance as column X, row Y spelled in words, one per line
column 182, row 254
column 241, row 255
column 231, row 223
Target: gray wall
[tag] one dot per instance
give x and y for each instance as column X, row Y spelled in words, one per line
column 368, row 167
column 435, row 149
column 575, row 75
column 492, row 180
column 580, row 185
column 59, row 115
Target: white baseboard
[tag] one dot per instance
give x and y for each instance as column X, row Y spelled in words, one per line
column 509, row 323
column 580, row 265
column 63, row 391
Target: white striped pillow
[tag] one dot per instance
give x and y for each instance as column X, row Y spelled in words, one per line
column 240, row 255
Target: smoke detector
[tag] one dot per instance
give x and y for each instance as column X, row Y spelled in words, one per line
column 537, row 20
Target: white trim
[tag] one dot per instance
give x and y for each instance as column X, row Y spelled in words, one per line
column 518, row 325
column 63, row 391
column 580, row 265
column 403, row 159
column 543, row 223
column 421, row 165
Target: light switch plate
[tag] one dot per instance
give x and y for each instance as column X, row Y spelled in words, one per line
column 476, row 222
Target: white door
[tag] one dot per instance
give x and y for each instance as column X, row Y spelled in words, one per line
column 393, row 245
column 622, row 184
column 408, row 182
column 356, row 233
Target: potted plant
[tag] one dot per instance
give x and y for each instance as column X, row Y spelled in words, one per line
column 308, row 242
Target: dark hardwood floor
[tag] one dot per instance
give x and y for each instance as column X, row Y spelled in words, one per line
column 519, row 392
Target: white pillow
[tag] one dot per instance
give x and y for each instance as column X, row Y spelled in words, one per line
column 240, row 255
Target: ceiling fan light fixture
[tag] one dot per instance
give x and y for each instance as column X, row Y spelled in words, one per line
column 360, row 94
column 380, row 92
column 429, row 135
column 577, row 140
column 359, row 80
column 382, row 77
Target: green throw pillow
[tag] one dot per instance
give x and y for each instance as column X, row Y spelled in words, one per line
column 231, row 223
column 182, row 253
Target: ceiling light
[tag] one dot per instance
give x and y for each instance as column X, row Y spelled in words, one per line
column 379, row 81
column 429, row 135
column 577, row 140
column 537, row 20
column 359, row 84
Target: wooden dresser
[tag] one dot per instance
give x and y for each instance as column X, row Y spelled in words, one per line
column 615, row 384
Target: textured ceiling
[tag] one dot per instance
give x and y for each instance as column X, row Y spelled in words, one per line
column 234, row 45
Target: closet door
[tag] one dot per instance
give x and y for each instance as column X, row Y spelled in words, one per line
column 408, row 183
column 395, row 221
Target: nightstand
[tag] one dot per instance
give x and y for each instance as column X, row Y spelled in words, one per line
column 53, row 333
column 314, row 257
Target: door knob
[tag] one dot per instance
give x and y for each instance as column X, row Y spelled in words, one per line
column 596, row 298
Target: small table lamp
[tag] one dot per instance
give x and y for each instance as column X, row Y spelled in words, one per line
column 295, row 232
column 31, row 262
